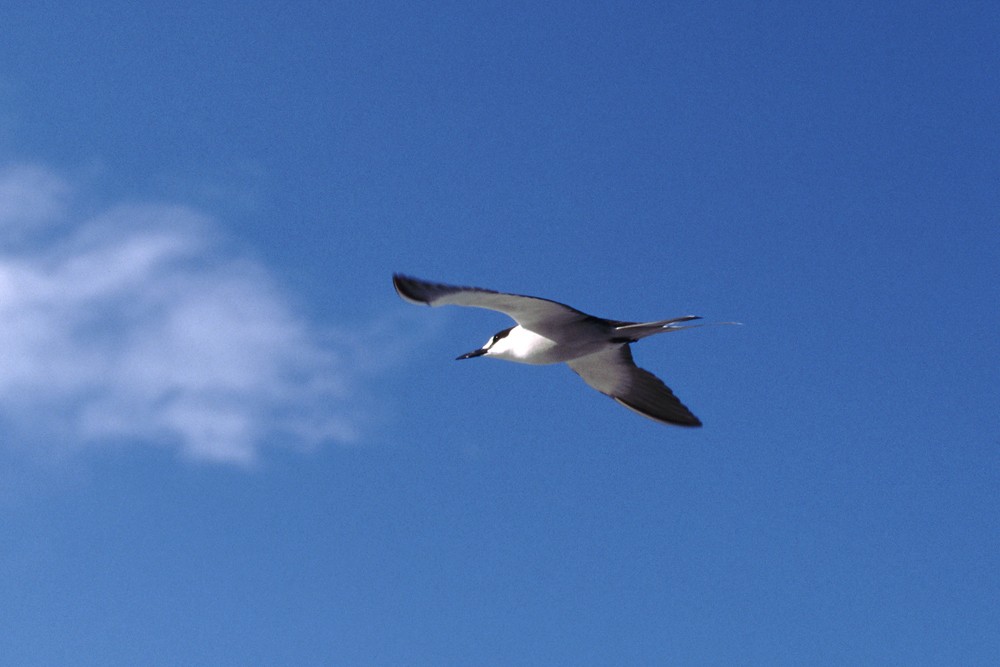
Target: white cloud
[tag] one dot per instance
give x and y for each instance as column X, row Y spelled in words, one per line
column 135, row 326
column 29, row 195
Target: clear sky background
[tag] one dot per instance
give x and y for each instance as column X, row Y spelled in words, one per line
column 224, row 440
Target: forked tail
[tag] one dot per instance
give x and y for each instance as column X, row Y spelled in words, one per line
column 638, row 330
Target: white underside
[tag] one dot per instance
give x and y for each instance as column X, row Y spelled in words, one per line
column 527, row 347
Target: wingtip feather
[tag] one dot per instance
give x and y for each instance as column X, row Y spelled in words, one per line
column 399, row 282
column 687, row 421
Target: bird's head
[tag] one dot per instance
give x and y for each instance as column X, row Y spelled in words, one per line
column 485, row 349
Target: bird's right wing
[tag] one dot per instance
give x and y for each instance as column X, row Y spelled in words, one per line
column 536, row 314
column 613, row 372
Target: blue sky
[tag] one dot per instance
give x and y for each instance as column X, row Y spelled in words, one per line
column 225, row 440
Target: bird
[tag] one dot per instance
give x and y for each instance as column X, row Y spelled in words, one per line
column 549, row 332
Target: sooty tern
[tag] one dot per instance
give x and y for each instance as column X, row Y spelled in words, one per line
column 548, row 332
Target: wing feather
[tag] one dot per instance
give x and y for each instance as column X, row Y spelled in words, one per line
column 531, row 312
column 613, row 372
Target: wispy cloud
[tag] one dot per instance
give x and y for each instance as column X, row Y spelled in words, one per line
column 135, row 325
column 30, row 195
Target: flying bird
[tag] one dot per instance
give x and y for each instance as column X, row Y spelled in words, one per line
column 548, row 332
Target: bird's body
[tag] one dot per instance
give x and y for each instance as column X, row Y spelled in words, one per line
column 548, row 332
column 527, row 347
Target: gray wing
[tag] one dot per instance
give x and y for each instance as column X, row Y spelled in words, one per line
column 531, row 312
column 613, row 372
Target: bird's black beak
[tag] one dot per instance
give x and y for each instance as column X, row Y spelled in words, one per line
column 469, row 355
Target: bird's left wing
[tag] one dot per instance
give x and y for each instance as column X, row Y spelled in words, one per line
column 613, row 372
column 536, row 314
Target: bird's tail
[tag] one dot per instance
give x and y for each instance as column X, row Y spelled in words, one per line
column 633, row 331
